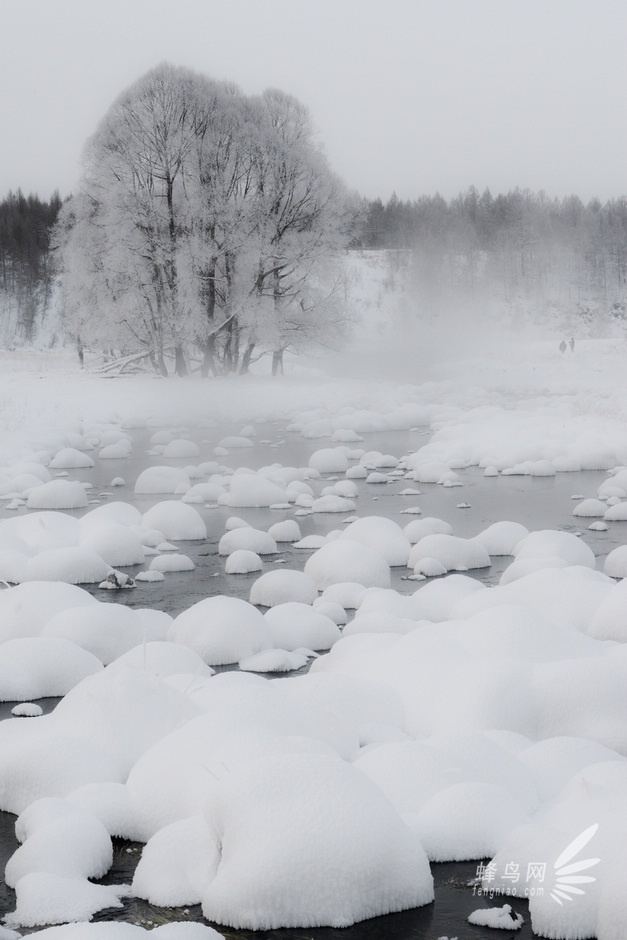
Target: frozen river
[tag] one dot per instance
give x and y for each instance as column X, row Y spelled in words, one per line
column 536, row 502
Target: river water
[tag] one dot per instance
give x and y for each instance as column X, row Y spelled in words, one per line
column 536, row 502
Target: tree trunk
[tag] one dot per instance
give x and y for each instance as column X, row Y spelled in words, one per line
column 248, row 352
column 277, row 362
column 208, row 362
column 180, row 365
column 158, row 363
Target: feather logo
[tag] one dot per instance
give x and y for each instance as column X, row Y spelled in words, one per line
column 567, row 875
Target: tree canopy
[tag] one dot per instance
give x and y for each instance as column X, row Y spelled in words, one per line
column 205, row 220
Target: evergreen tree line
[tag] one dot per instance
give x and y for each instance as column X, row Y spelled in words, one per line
column 520, row 252
column 26, row 268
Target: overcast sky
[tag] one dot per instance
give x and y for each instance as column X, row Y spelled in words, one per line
column 412, row 96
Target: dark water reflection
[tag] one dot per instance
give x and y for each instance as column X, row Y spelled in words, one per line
column 445, row 917
column 537, row 503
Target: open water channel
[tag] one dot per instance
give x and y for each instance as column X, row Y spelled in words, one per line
column 536, row 502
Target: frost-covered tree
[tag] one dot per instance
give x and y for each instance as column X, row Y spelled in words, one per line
column 197, row 207
column 303, row 218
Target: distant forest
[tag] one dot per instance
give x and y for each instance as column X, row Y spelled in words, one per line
column 520, row 250
column 521, row 253
column 26, row 265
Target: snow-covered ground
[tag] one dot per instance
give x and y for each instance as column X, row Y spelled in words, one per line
column 451, row 721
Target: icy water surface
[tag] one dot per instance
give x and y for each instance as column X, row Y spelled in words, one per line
column 537, row 503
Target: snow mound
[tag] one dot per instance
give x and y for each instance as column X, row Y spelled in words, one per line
column 418, row 528
column 329, row 460
column 501, row 538
column 453, row 553
column 69, row 458
column 252, row 490
column 496, row 917
column 46, row 898
column 249, row 539
column 116, row 544
column 161, row 659
column 221, row 630
column 294, row 625
column 467, row 820
column 551, row 543
column 590, row 507
column 115, row 512
column 108, row 630
column 158, row 480
column 315, row 808
column 243, row 561
column 616, row 513
column 279, row 587
column 331, row 503
column 346, row 560
column 74, row 565
column 172, row 562
column 615, row 564
column 286, row 531
column 181, row 448
column 274, row 661
column 39, row 667
column 57, row 494
column 383, row 535
column 175, row 520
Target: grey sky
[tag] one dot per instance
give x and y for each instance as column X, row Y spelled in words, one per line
column 416, row 96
